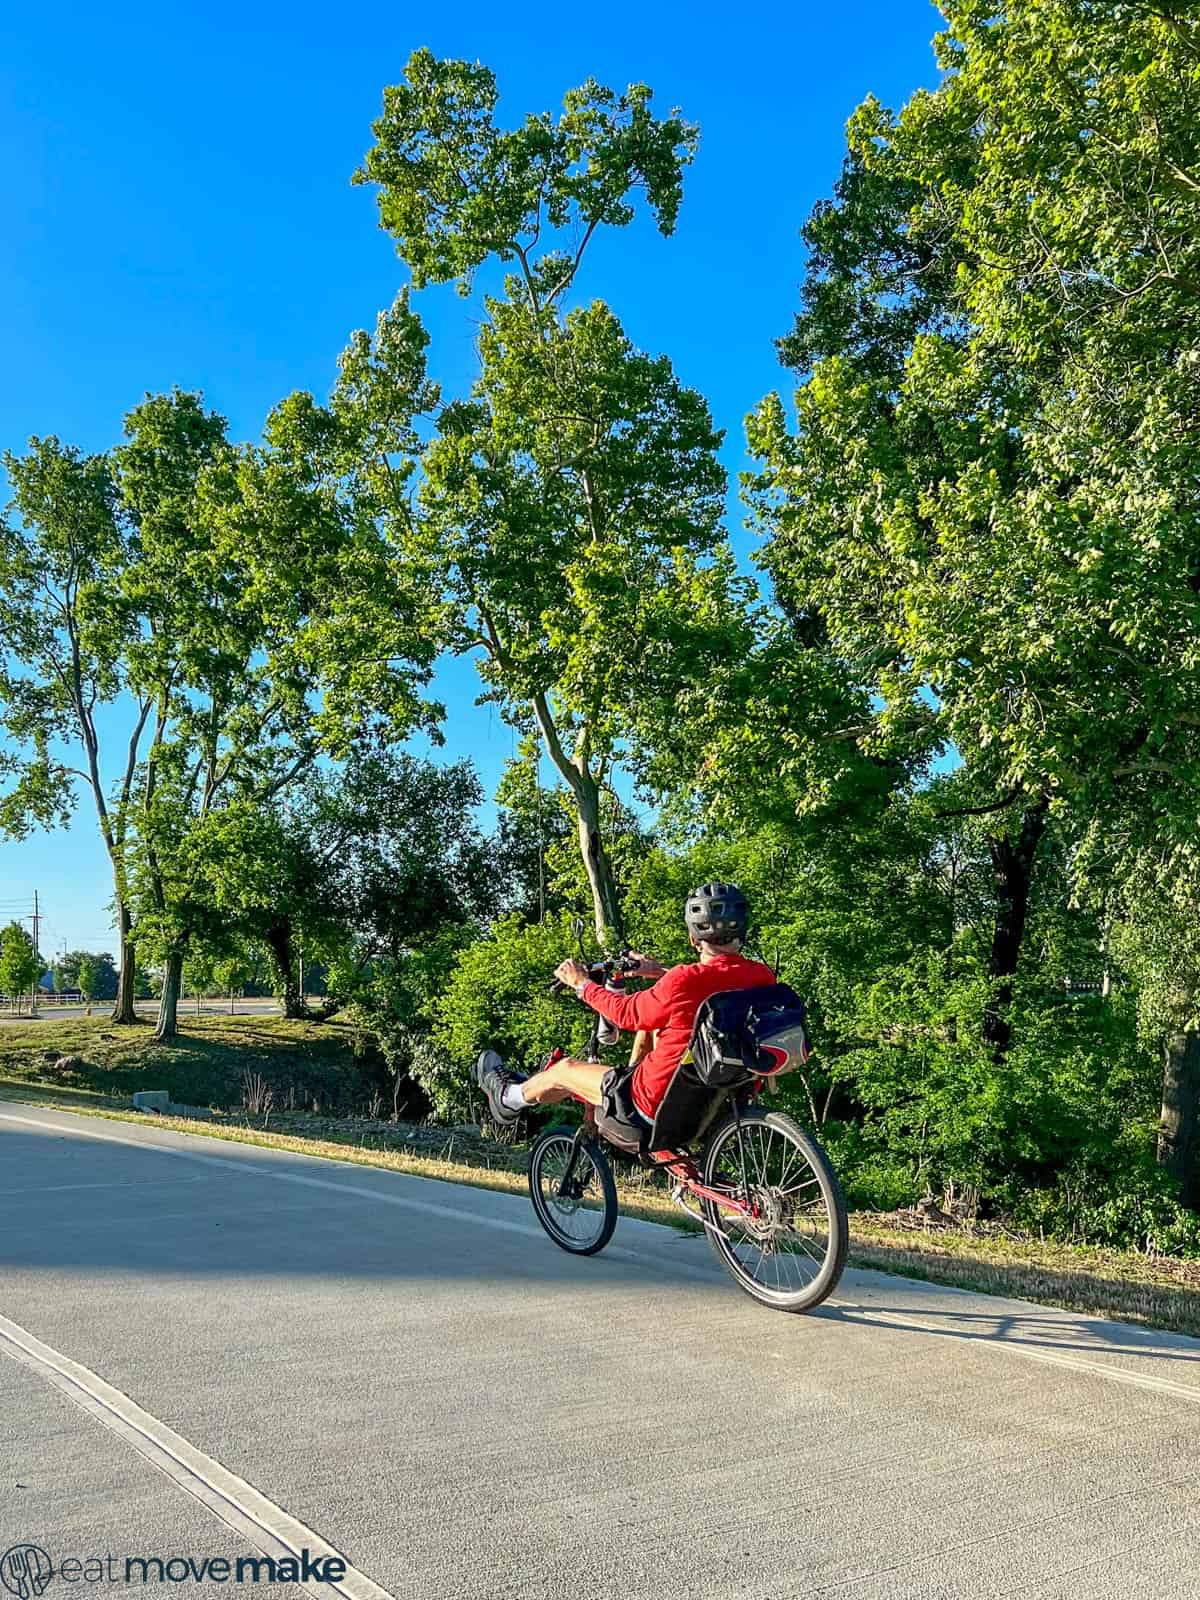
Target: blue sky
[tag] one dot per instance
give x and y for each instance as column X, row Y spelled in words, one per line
column 179, row 212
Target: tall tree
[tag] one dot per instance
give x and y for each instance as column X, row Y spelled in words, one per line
column 325, row 637
column 571, row 505
column 242, row 603
column 66, row 634
column 843, row 504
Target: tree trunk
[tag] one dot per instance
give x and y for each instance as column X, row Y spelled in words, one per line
column 1012, row 870
column 124, row 1009
column 606, row 903
column 1179, row 1124
column 279, row 942
column 168, row 1006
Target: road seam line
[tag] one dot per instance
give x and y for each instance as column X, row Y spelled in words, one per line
column 235, row 1502
column 1140, row 1380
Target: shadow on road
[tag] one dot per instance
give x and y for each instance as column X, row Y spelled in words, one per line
column 80, row 1207
column 1051, row 1330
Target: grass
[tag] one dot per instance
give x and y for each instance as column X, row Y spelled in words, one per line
column 1159, row 1292
column 204, row 1066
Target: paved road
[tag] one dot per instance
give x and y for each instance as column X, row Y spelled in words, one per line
column 149, row 1008
column 270, row 1347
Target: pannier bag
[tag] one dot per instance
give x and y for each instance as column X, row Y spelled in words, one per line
column 741, row 1034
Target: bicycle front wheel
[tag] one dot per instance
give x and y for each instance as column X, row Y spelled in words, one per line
column 783, row 1236
column 573, row 1190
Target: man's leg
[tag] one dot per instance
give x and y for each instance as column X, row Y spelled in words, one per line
column 509, row 1094
column 562, row 1080
column 644, row 1041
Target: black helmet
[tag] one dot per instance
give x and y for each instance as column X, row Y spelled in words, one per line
column 717, row 912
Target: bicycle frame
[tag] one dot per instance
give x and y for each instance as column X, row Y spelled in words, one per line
column 679, row 1165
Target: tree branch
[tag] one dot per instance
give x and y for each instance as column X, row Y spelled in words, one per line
column 562, row 762
column 1010, row 799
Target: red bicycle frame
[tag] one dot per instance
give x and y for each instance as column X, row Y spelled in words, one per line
column 681, row 1167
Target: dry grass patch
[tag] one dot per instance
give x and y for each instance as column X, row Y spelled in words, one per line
column 1159, row 1291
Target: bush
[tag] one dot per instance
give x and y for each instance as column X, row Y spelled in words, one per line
column 1057, row 1136
column 407, row 1059
column 498, row 996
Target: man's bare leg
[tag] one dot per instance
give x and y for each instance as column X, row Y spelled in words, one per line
column 643, row 1042
column 562, row 1080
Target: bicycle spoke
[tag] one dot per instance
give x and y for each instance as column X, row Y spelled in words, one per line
column 575, row 1213
column 791, row 1152
column 784, row 1244
column 798, row 1238
column 809, row 1183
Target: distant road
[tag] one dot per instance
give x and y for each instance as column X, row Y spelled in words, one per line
column 187, row 1008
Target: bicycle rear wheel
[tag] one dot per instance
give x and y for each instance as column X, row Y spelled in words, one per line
column 573, row 1190
column 790, row 1251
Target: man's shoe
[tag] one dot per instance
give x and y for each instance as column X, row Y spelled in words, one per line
column 493, row 1077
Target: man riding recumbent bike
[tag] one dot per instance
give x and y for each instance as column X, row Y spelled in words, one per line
column 723, row 1028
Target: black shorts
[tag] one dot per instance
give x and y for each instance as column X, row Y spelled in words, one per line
column 617, row 1117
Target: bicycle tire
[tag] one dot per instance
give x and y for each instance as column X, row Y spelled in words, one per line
column 556, row 1145
column 761, row 1129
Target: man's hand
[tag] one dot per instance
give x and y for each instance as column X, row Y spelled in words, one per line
column 572, row 973
column 646, row 967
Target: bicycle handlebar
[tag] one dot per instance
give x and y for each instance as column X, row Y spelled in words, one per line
column 619, row 966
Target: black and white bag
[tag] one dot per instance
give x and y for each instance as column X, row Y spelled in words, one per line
column 742, row 1034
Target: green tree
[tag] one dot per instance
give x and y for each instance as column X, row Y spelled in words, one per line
column 242, row 603
column 96, row 977
column 361, row 866
column 984, row 498
column 88, row 978
column 20, row 964
column 65, row 638
column 571, row 506
column 66, row 970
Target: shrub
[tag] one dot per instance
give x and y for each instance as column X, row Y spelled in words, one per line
column 499, row 996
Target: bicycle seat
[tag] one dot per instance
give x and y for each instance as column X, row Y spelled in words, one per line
column 685, row 1111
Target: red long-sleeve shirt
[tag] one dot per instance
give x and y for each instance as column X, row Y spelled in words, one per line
column 669, row 1007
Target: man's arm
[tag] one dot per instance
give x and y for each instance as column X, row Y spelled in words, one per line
column 647, row 1009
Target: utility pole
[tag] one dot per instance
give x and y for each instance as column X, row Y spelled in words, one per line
column 37, row 918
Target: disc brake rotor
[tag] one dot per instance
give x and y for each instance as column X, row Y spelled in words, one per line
column 768, row 1214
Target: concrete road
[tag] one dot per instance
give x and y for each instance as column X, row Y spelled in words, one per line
column 52, row 1012
column 208, row 1349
